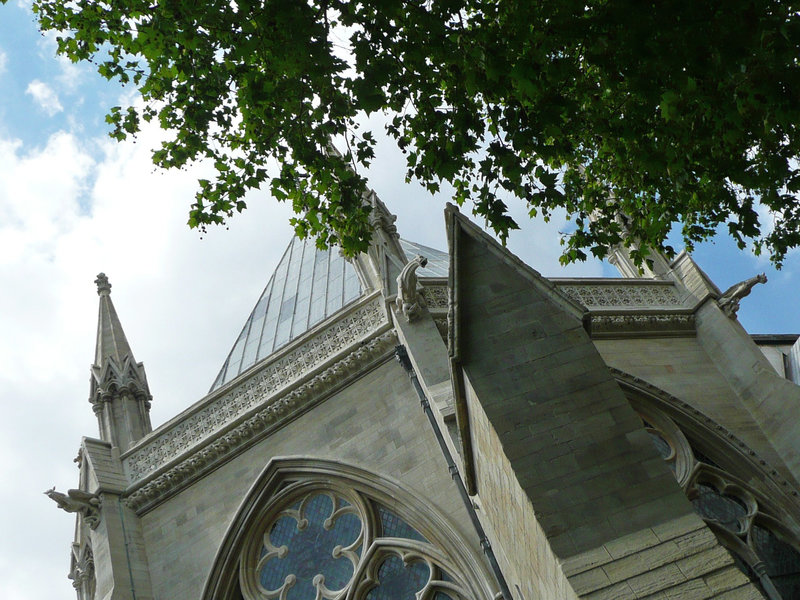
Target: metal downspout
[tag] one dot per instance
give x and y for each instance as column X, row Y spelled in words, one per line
column 402, row 357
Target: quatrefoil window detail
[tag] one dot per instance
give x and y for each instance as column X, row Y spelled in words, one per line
column 311, row 549
column 319, row 542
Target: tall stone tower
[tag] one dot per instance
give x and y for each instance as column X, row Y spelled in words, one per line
column 420, row 424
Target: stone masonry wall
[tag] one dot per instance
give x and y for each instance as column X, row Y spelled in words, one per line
column 679, row 560
column 376, row 423
column 683, row 368
column 531, row 569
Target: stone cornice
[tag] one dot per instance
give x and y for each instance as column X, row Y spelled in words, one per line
column 633, row 307
column 273, row 413
column 642, row 325
column 322, row 348
column 616, row 307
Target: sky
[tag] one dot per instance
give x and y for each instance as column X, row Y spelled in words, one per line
column 74, row 203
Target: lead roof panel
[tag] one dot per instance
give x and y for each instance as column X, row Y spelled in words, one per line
column 308, row 286
column 438, row 261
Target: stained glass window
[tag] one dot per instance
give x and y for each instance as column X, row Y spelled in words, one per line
column 782, row 561
column 726, row 510
column 306, row 545
column 662, row 446
column 321, row 546
column 738, row 509
column 398, row 581
column 394, row 526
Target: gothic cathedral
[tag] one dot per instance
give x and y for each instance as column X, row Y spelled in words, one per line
column 424, row 425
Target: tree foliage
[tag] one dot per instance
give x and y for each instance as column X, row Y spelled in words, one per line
column 669, row 111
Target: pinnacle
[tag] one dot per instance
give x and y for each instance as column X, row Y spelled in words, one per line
column 111, row 340
column 116, row 377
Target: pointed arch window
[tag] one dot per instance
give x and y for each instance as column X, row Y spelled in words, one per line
column 754, row 525
column 314, row 529
column 326, row 543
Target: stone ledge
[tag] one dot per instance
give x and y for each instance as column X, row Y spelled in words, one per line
column 273, row 412
column 641, row 324
column 313, row 352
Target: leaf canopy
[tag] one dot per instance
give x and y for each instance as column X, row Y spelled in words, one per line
column 665, row 112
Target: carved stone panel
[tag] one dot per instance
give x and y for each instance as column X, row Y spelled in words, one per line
column 602, row 295
column 262, row 384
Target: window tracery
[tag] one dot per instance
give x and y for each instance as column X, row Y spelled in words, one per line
column 82, row 570
column 320, row 543
column 762, row 538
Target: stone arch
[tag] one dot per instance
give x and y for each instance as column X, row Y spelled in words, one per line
column 752, row 510
column 285, row 479
column 712, row 439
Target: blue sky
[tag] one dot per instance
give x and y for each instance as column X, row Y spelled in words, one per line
column 73, row 203
column 29, row 59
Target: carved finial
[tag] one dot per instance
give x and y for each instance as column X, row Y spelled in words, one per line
column 408, row 300
column 103, row 287
column 729, row 301
column 380, row 217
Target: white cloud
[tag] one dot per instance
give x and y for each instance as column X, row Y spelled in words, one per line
column 63, row 218
column 45, row 97
column 3, row 61
column 70, row 75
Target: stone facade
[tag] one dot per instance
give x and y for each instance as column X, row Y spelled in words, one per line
column 538, row 439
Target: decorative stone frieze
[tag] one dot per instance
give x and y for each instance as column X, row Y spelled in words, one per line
column 677, row 324
column 639, row 295
column 275, row 411
column 262, row 384
column 594, row 296
column 435, row 297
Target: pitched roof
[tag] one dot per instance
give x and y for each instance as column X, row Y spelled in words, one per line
column 307, row 286
column 438, row 261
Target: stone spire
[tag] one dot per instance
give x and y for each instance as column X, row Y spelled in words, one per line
column 656, row 265
column 119, row 393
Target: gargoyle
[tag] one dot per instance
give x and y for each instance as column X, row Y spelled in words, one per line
column 729, row 301
column 78, row 501
column 408, row 300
